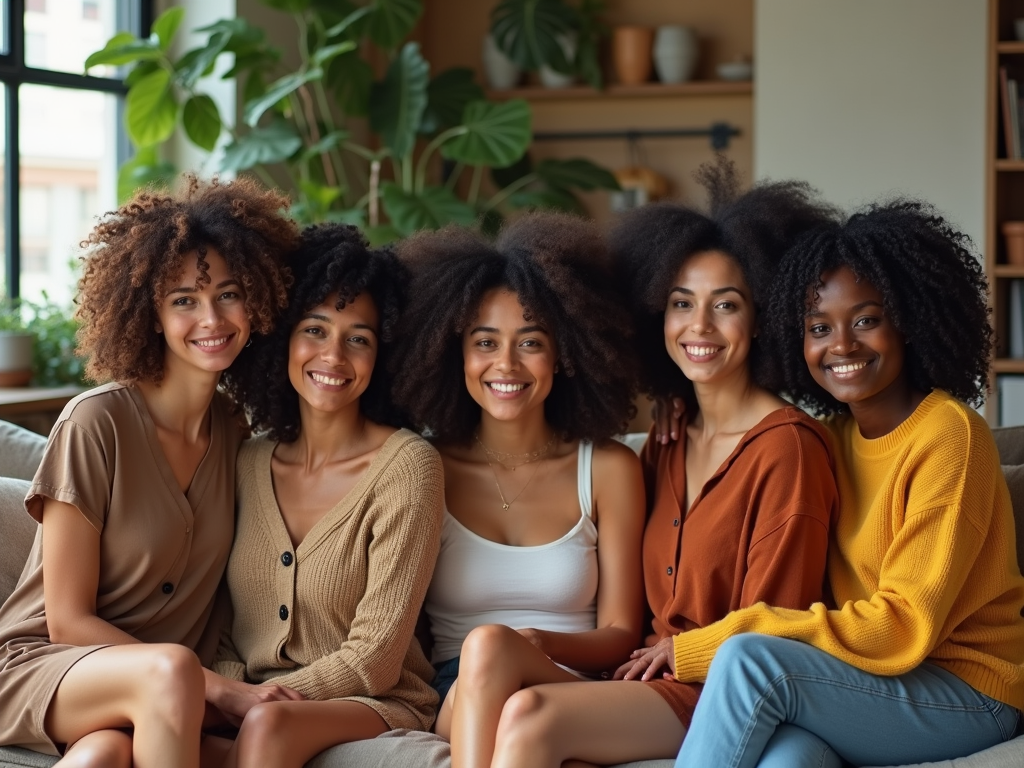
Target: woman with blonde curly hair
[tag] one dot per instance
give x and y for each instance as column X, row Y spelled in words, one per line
column 135, row 491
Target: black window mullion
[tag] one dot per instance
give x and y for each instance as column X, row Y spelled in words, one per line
column 12, row 194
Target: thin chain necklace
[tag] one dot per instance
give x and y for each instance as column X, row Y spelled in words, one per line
column 519, row 459
column 534, row 456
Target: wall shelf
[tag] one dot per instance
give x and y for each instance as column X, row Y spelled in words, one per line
column 1009, row 165
column 1010, row 46
column 643, row 91
column 1008, row 365
column 1007, row 270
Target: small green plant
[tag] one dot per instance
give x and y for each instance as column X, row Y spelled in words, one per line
column 54, row 358
column 11, row 316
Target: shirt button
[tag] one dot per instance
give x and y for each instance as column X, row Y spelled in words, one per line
column 188, row 529
column 167, row 588
column 675, row 523
column 669, row 570
column 286, row 558
column 283, row 613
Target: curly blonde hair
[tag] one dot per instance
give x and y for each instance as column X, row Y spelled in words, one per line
column 134, row 251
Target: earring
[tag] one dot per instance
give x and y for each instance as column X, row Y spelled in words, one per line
column 249, row 342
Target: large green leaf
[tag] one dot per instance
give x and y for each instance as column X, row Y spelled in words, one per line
column 351, row 78
column 325, row 54
column 392, row 21
column 139, row 71
column 497, row 134
column 261, row 146
column 575, row 172
column 151, row 111
column 447, row 97
column 349, row 20
column 431, row 209
column 288, row 6
column 529, row 32
column 382, row 234
column 278, row 90
column 166, row 25
column 202, row 122
column 398, row 101
column 124, row 48
column 326, row 144
column 144, row 169
column 200, row 61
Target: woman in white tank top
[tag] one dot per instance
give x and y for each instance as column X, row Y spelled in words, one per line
column 516, row 359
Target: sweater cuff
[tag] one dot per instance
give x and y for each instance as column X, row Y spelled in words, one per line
column 232, row 670
column 694, row 651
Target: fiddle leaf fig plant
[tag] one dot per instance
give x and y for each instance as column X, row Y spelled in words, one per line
column 427, row 130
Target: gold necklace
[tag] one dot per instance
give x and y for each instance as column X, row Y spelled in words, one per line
column 502, row 457
column 505, row 504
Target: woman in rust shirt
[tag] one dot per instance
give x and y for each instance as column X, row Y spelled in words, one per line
column 739, row 507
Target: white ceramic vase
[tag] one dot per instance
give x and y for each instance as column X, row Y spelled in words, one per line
column 15, row 358
column 675, row 53
column 550, row 78
column 501, row 72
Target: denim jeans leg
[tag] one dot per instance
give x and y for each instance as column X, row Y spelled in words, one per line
column 757, row 682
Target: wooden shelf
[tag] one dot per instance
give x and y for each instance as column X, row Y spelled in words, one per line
column 1008, row 365
column 1010, row 46
column 1007, row 270
column 1009, row 165
column 643, row 91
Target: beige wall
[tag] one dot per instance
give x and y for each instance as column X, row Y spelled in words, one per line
column 868, row 97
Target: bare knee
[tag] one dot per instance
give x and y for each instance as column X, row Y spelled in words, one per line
column 484, row 648
column 172, row 681
column 527, row 715
column 102, row 749
column 265, row 727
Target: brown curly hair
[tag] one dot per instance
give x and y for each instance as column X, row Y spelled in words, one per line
column 558, row 266
column 133, row 251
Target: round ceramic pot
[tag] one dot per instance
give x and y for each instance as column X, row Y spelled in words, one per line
column 631, row 54
column 15, row 358
column 501, row 72
column 1013, row 231
column 551, row 78
column 675, row 53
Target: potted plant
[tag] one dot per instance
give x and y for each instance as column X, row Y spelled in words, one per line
column 296, row 122
column 15, row 346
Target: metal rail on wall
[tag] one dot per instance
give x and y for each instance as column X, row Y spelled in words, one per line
column 719, row 133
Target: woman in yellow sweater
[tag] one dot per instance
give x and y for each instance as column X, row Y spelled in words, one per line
column 884, row 324
column 339, row 520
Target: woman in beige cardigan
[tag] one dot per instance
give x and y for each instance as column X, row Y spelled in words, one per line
column 339, row 519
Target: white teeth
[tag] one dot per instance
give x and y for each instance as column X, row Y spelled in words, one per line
column 319, row 378
column 701, row 351
column 500, row 387
column 210, row 342
column 848, row 367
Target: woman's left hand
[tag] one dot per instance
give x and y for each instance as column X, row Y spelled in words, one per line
column 646, row 663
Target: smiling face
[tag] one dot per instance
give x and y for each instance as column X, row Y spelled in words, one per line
column 709, row 320
column 852, row 348
column 509, row 361
column 205, row 328
column 332, row 352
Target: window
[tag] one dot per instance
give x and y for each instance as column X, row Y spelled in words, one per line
column 61, row 136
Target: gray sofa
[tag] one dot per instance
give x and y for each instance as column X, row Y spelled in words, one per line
column 21, row 450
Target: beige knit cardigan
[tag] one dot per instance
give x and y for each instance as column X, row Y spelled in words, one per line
column 334, row 617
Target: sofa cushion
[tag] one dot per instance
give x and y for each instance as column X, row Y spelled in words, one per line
column 18, row 532
column 22, row 451
column 1007, row 755
column 1010, row 442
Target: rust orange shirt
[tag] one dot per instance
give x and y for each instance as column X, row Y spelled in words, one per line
column 757, row 531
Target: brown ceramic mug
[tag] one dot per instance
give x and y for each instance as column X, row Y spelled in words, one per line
column 631, row 53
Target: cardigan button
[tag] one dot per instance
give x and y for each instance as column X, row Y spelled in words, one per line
column 669, row 570
column 167, row 588
column 283, row 613
column 286, row 558
column 675, row 523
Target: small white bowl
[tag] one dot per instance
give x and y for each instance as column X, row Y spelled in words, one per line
column 735, row 70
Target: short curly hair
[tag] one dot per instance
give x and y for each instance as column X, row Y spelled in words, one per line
column 923, row 267
column 558, row 267
column 333, row 258
column 134, row 251
column 650, row 244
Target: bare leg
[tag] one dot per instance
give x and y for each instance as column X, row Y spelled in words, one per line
column 157, row 689
column 213, row 751
column 287, row 734
column 599, row 722
column 100, row 749
column 496, row 662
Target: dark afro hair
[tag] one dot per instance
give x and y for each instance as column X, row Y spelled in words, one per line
column 134, row 251
column 650, row 244
column 933, row 289
column 557, row 265
column 333, row 258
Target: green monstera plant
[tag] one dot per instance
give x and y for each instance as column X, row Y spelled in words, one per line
column 299, row 126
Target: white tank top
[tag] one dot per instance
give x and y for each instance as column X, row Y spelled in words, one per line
column 551, row 586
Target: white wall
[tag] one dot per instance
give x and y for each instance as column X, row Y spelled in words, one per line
column 864, row 98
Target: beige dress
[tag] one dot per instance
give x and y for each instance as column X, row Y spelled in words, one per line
column 333, row 618
column 162, row 553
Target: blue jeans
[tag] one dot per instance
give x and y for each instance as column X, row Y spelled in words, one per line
column 780, row 703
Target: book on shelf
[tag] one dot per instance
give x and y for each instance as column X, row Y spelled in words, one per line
column 1004, row 99
column 1011, row 400
column 1014, row 118
column 1015, row 336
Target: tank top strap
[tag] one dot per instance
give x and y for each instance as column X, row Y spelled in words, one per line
column 585, row 477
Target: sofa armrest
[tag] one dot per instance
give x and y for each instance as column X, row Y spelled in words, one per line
column 20, row 451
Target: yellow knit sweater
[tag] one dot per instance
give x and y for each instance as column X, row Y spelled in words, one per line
column 334, row 617
column 922, row 562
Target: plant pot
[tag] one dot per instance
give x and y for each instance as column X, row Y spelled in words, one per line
column 551, row 78
column 1013, row 231
column 675, row 53
column 631, row 53
column 501, row 72
column 15, row 358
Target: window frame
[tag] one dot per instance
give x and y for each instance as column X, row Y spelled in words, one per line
column 133, row 15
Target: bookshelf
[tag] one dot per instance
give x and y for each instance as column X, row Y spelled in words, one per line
column 1005, row 190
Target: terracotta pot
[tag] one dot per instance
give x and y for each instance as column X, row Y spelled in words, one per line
column 631, row 52
column 1013, row 231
